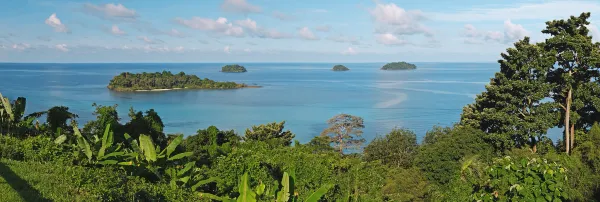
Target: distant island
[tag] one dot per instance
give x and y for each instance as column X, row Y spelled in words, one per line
column 398, row 66
column 233, row 68
column 340, row 68
column 162, row 81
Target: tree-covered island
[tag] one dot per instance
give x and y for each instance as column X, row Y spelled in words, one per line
column 166, row 80
column 340, row 68
column 398, row 66
column 233, row 68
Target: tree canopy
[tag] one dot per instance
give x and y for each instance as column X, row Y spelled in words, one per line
column 233, row 68
column 166, row 80
column 398, row 66
column 340, row 68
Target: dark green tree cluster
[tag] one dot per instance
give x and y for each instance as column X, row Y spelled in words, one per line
column 340, row 68
column 165, row 80
column 398, row 66
column 541, row 86
column 233, row 68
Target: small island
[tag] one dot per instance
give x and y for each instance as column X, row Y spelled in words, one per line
column 163, row 81
column 233, row 68
column 398, row 66
column 340, row 68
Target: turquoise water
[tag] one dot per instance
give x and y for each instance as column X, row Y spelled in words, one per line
column 303, row 95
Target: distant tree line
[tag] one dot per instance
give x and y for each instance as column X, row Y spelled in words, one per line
column 127, row 81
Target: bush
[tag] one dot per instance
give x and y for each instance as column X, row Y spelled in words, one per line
column 38, row 148
column 440, row 160
column 397, row 149
column 31, row 181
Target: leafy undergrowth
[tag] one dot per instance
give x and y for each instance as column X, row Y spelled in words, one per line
column 32, row 181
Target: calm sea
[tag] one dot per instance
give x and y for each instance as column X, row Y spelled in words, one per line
column 304, row 95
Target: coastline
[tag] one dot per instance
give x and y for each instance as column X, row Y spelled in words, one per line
column 170, row 89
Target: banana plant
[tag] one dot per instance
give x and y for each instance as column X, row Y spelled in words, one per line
column 144, row 154
column 285, row 194
column 106, row 154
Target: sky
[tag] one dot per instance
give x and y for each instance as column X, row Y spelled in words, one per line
column 275, row 30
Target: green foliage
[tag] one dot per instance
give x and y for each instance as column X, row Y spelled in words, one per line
column 523, row 179
column 434, row 134
column 58, row 116
column 440, row 161
column 398, row 66
column 149, row 123
column 340, row 68
column 272, row 133
column 589, row 148
column 398, row 148
column 511, row 111
column 233, row 68
column 165, row 80
column 345, row 131
column 209, row 144
column 56, row 182
column 406, row 185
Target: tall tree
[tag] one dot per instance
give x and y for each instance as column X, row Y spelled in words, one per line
column 345, row 131
column 512, row 110
column 272, row 133
column 574, row 75
column 57, row 117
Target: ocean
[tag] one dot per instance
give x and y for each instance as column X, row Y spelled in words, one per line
column 304, row 95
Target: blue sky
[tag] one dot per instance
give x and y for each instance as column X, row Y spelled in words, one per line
column 274, row 30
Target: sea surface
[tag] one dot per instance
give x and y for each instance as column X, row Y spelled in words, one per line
column 305, row 95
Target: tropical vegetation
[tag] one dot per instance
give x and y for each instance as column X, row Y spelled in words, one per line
column 127, row 81
column 499, row 151
column 398, row 66
column 340, row 68
column 233, row 68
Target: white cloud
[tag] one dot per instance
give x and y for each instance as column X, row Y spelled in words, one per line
column 62, row 47
column 349, row 51
column 21, row 46
column 149, row 41
column 282, row 16
column 175, row 33
column 240, row 6
column 531, row 11
column 54, row 22
column 513, row 32
column 248, row 24
column 594, row 32
column 247, row 50
column 257, row 31
column 305, row 33
column 116, row 31
column 344, row 39
column 221, row 26
column 393, row 19
column 389, row 39
column 178, row 49
column 111, row 11
column 323, row 28
column 226, row 49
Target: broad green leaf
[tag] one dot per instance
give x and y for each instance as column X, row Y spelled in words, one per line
column 174, row 145
column 181, row 155
column 82, row 143
column 60, row 139
column 213, row 197
column 113, row 154
column 7, row 107
column 184, row 179
column 284, row 194
column 314, row 197
column 106, row 141
column 246, row 193
column 147, row 147
column 134, row 144
column 203, row 182
column 260, row 189
column 108, row 162
column 187, row 167
column 128, row 163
